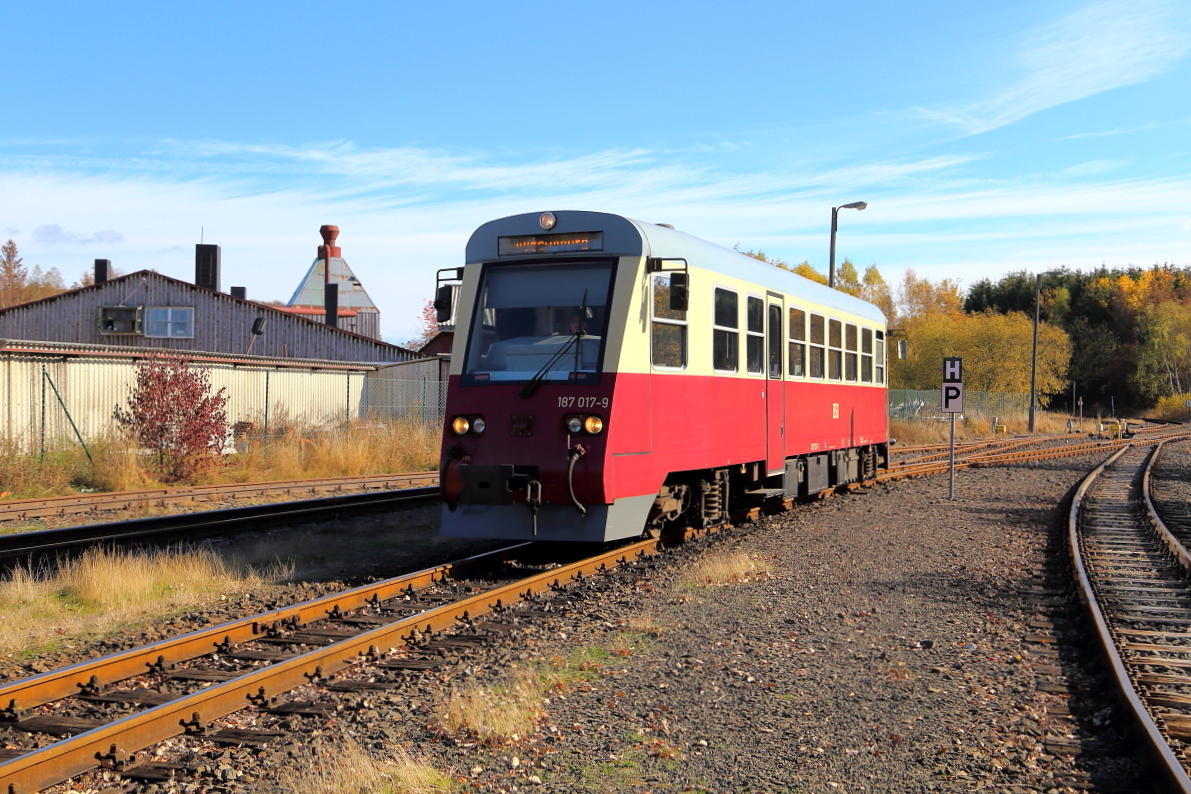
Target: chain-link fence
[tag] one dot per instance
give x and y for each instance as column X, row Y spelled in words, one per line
column 421, row 400
column 51, row 399
column 908, row 405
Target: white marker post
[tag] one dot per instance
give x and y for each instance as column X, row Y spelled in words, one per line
column 951, row 401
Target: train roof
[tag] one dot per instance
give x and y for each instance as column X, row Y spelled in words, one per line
column 627, row 237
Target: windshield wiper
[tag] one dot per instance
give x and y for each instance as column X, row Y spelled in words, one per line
column 532, row 385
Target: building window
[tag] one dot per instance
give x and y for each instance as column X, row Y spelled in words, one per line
column 725, row 334
column 797, row 343
column 668, row 342
column 119, row 320
column 169, row 322
column 835, row 353
column 818, row 339
column 755, row 341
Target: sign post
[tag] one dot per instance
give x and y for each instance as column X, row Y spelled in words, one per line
column 951, row 401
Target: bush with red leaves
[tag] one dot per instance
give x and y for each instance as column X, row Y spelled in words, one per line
column 173, row 413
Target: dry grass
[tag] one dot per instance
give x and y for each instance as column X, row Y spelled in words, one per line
column 724, row 569
column 508, row 709
column 96, row 593
column 67, row 470
column 344, row 452
column 293, row 454
column 975, row 428
column 496, row 712
column 350, row 770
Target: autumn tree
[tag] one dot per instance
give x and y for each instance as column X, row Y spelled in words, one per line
column 875, row 290
column 996, row 349
column 1164, row 350
column 427, row 326
column 173, row 413
column 14, row 276
column 803, row 268
column 88, row 277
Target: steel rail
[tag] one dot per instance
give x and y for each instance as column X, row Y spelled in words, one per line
column 1027, row 456
column 18, row 546
column 28, row 693
column 1106, row 634
column 23, row 509
column 117, row 741
column 973, row 451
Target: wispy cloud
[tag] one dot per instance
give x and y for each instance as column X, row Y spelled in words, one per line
column 53, row 234
column 1097, row 48
column 1109, row 133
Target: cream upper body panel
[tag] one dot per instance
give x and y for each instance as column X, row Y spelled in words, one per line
column 632, row 244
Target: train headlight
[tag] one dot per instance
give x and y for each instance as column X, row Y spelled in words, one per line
column 478, row 425
column 460, row 425
column 593, row 425
column 574, row 424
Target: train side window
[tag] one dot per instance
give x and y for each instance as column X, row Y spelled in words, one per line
column 755, row 340
column 668, row 329
column 815, row 363
column 879, row 357
column 797, row 365
column 835, row 355
column 725, row 333
column 850, row 356
column 866, row 355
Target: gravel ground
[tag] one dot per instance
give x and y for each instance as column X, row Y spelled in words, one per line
column 901, row 642
column 1170, row 488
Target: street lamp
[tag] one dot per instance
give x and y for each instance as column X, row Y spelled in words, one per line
column 855, row 205
column 1034, row 354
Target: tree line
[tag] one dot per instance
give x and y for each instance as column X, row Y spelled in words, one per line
column 22, row 284
column 1119, row 337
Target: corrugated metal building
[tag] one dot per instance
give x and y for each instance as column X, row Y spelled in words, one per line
column 150, row 311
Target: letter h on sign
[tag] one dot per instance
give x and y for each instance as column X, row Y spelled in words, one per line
column 952, row 370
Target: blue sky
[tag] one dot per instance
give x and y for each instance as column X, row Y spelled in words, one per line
column 985, row 137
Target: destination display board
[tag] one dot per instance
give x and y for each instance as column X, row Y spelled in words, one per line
column 550, row 243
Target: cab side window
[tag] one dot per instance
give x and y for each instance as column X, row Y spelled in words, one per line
column 668, row 329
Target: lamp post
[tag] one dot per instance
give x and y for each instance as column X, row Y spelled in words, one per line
column 1034, row 354
column 855, row 205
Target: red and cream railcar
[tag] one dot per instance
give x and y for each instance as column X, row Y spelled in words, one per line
column 609, row 376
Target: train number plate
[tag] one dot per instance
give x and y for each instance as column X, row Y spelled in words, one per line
column 583, row 402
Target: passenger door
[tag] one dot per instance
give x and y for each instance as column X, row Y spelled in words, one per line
column 775, row 395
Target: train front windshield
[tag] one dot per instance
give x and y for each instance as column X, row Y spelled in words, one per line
column 544, row 320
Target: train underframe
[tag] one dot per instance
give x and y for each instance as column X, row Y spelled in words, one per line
column 703, row 498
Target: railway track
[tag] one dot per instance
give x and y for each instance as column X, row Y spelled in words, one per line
column 61, row 506
column 1006, row 455
column 1134, row 576
column 362, row 640
column 29, row 547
